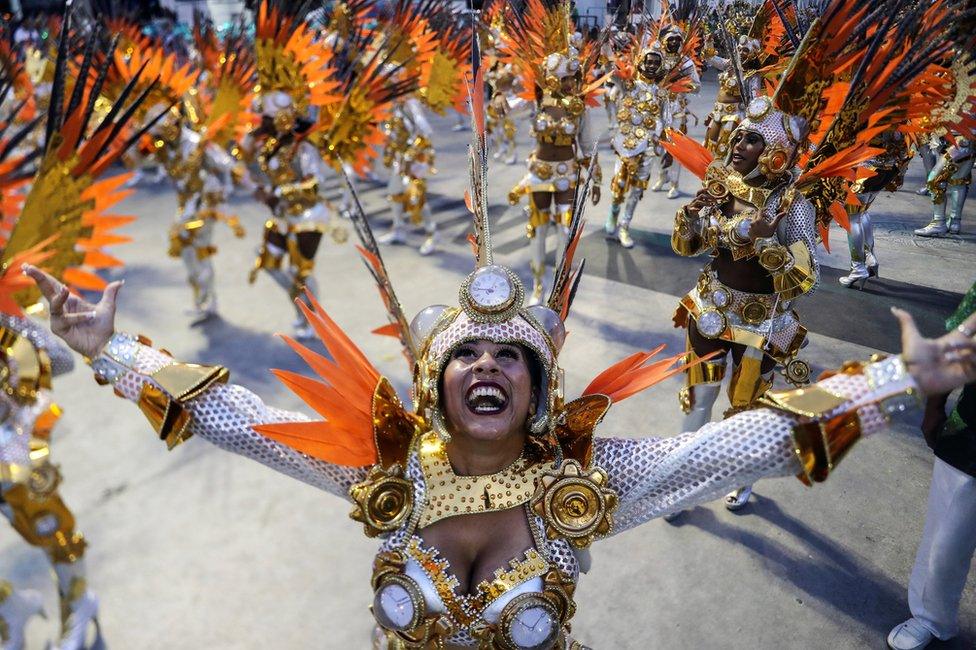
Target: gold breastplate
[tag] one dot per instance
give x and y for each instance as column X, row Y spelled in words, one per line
column 277, row 163
column 550, row 127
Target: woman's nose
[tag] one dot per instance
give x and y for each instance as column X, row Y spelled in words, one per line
column 486, row 364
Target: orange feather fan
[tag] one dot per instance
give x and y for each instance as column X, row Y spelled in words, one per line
column 343, row 396
column 692, row 155
column 631, row 375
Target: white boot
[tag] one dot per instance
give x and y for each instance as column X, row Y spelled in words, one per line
column 431, row 244
column 859, row 274
column 623, row 235
column 79, row 608
column 936, row 228
column 394, row 236
column 16, row 609
column 910, row 635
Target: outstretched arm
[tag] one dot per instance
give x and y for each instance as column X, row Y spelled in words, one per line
column 800, row 433
column 182, row 400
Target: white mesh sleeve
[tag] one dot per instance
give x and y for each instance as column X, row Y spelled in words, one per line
column 801, row 225
column 62, row 359
column 224, row 415
column 655, row 476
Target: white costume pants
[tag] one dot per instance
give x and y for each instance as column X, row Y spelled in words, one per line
column 946, row 552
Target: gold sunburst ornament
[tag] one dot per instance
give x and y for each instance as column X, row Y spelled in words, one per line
column 383, row 501
column 575, row 504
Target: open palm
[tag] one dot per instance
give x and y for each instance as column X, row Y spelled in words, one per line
column 85, row 327
column 938, row 365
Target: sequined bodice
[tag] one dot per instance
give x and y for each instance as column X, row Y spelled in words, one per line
column 277, row 162
column 557, row 121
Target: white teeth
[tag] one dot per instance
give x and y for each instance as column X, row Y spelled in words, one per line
column 495, row 401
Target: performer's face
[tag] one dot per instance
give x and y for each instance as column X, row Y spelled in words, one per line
column 747, row 146
column 673, row 43
column 487, row 391
column 650, row 65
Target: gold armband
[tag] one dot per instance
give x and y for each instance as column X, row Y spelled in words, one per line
column 164, row 403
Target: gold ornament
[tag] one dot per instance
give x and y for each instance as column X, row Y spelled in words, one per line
column 575, row 505
column 384, row 500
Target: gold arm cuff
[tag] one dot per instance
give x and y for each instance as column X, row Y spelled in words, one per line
column 809, row 402
column 820, row 446
column 799, row 278
column 164, row 405
column 685, row 241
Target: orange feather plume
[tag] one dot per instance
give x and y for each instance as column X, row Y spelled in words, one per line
column 692, row 155
column 631, row 375
column 343, row 396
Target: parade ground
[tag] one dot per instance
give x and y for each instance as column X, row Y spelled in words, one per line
column 197, row 548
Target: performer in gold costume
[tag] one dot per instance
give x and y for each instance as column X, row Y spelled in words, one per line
column 555, row 75
column 56, row 215
column 758, row 214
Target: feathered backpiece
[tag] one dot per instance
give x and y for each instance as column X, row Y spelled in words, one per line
column 365, row 85
column 444, row 85
column 229, row 91
column 66, row 207
column 540, row 42
column 289, row 57
column 860, row 71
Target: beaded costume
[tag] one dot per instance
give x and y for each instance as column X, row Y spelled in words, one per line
column 191, row 144
column 433, row 51
column 56, row 215
column 324, row 103
column 641, row 93
column 556, row 77
column 392, row 462
column 743, row 303
column 680, row 41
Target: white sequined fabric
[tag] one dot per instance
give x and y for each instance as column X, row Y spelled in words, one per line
column 224, row 415
column 655, row 476
column 62, row 359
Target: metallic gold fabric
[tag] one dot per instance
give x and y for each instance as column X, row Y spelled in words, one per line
column 449, row 495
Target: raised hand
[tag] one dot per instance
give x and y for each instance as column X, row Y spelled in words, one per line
column 762, row 229
column 938, row 365
column 85, row 327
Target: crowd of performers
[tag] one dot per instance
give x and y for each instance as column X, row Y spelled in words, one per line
column 820, row 107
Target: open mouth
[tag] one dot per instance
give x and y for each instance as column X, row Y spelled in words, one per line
column 737, row 157
column 486, row 398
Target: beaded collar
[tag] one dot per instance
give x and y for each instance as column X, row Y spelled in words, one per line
column 449, row 495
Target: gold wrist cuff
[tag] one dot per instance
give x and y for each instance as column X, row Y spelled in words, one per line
column 164, row 403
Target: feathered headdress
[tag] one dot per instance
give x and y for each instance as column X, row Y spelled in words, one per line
column 366, row 85
column 540, row 42
column 859, row 71
column 291, row 61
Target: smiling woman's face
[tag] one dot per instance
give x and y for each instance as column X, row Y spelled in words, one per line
column 487, row 391
column 747, row 146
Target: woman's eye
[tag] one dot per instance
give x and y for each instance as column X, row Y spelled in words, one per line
column 508, row 353
column 464, row 353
